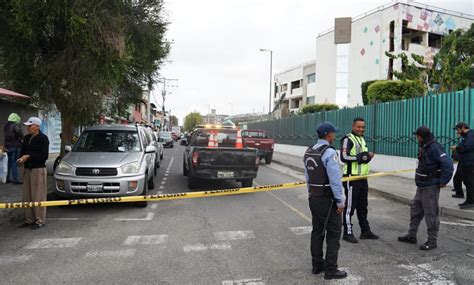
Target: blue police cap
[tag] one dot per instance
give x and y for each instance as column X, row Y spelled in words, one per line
column 326, row 128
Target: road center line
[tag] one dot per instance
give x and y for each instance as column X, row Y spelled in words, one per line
column 148, row 217
column 203, row 247
column 234, row 235
column 301, row 230
column 288, row 205
column 53, row 243
column 112, row 253
column 256, row 281
column 148, row 239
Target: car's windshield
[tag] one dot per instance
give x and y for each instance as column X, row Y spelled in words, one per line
column 108, row 141
column 165, row 135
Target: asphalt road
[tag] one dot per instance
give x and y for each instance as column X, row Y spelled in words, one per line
column 260, row 238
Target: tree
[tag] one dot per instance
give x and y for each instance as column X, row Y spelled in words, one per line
column 453, row 65
column 73, row 52
column 192, row 120
column 411, row 70
column 315, row 108
column 174, row 120
column 364, row 87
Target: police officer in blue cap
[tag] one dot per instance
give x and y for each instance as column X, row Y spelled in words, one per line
column 326, row 201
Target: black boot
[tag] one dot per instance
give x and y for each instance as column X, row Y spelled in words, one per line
column 350, row 238
column 407, row 239
column 429, row 245
column 368, row 235
column 335, row 275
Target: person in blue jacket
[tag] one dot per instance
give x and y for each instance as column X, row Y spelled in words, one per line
column 465, row 155
column 434, row 171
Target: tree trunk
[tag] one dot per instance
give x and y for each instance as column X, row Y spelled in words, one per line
column 67, row 129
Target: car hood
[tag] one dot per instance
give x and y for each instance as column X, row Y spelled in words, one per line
column 101, row 159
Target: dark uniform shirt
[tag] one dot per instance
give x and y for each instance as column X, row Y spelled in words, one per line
column 37, row 147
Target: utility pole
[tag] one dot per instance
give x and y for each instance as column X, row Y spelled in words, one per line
column 163, row 94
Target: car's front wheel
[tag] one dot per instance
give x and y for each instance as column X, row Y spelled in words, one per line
column 143, row 204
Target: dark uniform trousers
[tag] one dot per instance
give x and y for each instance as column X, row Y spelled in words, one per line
column 425, row 205
column 357, row 200
column 468, row 178
column 319, row 206
column 457, row 181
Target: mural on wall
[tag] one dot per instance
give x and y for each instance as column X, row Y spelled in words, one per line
column 51, row 127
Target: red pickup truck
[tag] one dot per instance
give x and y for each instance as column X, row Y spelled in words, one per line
column 258, row 139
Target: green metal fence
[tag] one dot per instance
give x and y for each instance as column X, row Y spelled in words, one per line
column 389, row 126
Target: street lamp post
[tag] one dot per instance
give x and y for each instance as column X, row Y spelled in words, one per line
column 270, row 96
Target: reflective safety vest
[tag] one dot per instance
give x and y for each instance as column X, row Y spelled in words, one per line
column 358, row 146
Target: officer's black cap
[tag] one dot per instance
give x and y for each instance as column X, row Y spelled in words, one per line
column 461, row 125
column 422, row 131
column 326, row 128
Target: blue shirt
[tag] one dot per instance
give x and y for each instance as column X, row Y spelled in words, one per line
column 331, row 163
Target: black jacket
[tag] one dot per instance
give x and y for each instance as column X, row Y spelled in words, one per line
column 465, row 149
column 13, row 135
column 37, row 148
column 433, row 162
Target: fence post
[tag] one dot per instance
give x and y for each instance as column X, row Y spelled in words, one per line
column 374, row 132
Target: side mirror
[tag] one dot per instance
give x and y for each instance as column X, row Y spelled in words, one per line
column 68, row 148
column 150, row 149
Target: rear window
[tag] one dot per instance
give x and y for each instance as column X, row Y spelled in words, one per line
column 253, row 134
column 225, row 138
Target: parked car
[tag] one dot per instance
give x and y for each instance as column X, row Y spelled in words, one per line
column 151, row 140
column 166, row 139
column 107, row 160
column 157, row 139
column 259, row 140
column 222, row 162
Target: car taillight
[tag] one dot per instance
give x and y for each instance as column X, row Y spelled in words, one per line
column 195, row 159
column 257, row 160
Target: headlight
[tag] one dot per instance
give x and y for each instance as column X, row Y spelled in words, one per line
column 130, row 168
column 64, row 168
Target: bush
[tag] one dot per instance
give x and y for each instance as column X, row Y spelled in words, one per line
column 388, row 90
column 364, row 86
column 315, row 108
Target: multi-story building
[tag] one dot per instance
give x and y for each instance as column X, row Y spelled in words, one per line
column 213, row 118
column 294, row 88
column 354, row 50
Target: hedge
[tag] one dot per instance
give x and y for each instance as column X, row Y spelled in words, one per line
column 314, row 108
column 394, row 90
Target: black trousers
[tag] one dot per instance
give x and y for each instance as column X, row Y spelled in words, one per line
column 356, row 200
column 319, row 206
column 468, row 178
column 457, row 181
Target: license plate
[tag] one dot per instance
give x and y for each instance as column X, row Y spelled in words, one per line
column 225, row 174
column 94, row 188
column 257, row 144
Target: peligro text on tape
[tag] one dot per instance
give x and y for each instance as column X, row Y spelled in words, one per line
column 184, row 195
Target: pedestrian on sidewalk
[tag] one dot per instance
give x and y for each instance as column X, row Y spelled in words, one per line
column 465, row 153
column 457, row 179
column 34, row 153
column 326, row 201
column 13, row 136
column 356, row 157
column 434, row 171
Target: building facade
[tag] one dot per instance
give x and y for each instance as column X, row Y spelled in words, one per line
column 294, row 88
column 397, row 27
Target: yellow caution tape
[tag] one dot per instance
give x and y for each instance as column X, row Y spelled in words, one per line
column 184, row 195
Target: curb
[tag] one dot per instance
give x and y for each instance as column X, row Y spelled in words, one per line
column 444, row 211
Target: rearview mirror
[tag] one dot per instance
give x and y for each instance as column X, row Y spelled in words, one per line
column 68, row 148
column 150, row 149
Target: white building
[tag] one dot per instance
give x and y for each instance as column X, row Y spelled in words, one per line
column 294, row 88
column 396, row 27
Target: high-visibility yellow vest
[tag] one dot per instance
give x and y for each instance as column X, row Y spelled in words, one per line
column 358, row 146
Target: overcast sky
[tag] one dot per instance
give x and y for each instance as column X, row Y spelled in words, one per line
column 216, row 54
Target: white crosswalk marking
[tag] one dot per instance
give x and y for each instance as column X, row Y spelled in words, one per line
column 15, row 259
column 112, row 253
column 148, row 217
column 301, row 230
column 53, row 243
column 154, row 206
column 205, row 247
column 234, row 235
column 162, row 187
column 256, row 281
column 148, row 239
column 425, row 274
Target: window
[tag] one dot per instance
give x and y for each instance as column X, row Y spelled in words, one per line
column 310, row 100
column 284, row 87
column 311, row 78
column 253, row 134
column 295, row 84
column 108, row 141
column 225, row 138
column 435, row 40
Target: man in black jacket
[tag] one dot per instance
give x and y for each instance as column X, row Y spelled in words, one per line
column 34, row 153
column 434, row 171
column 465, row 154
column 13, row 137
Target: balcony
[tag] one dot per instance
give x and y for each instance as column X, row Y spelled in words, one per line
column 297, row 92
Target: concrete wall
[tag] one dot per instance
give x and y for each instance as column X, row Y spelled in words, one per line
column 325, row 69
column 380, row 163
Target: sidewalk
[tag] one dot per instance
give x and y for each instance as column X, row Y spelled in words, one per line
column 14, row 193
column 392, row 187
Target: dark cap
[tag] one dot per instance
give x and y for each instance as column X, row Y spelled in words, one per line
column 423, row 132
column 326, row 128
column 461, row 125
